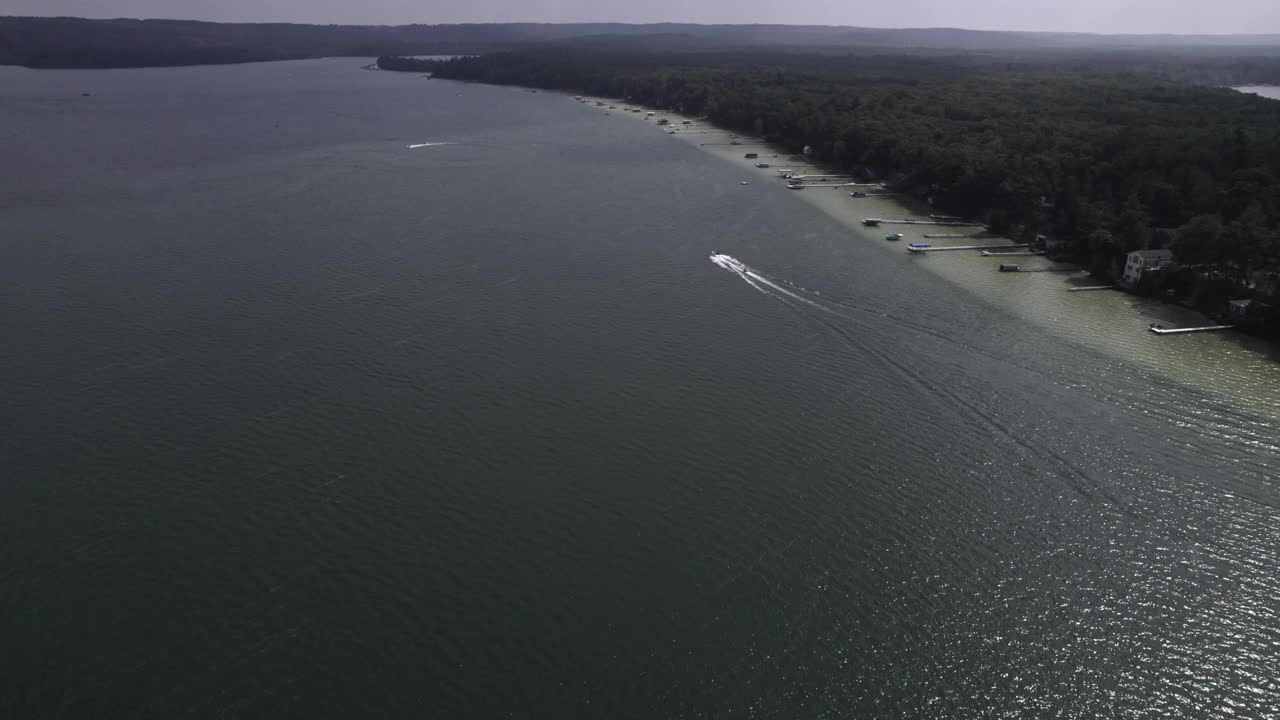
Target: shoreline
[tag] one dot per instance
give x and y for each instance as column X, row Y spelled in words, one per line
column 1113, row 322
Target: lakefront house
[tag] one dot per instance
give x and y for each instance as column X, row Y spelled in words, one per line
column 1142, row 261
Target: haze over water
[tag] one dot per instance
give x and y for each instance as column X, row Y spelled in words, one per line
column 1267, row 91
column 300, row 421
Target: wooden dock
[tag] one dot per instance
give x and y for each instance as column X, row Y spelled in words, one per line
column 1093, row 287
column 963, row 247
column 949, row 223
column 1160, row 330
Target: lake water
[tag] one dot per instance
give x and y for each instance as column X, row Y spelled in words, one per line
column 1267, row 91
column 300, row 421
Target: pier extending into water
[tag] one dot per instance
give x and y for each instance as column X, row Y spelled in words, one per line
column 963, row 247
column 822, row 185
column 1160, row 330
column 951, row 223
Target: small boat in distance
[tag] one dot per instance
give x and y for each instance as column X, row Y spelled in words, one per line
column 871, row 222
column 857, row 194
column 762, row 165
column 893, row 236
column 1009, row 267
column 751, row 156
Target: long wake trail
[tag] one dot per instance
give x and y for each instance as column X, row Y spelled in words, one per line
column 762, row 283
column 1080, row 480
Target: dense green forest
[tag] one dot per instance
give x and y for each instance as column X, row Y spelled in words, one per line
column 1101, row 158
column 400, row 63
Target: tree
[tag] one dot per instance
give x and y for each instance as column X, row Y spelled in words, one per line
column 1199, row 241
column 1134, row 225
column 1245, row 243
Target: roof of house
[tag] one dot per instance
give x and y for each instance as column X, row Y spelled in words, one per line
column 1153, row 254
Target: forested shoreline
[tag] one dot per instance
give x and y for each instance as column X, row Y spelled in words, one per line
column 401, row 63
column 1100, row 161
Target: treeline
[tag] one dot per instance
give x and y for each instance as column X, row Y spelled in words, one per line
column 75, row 42
column 405, row 64
column 1101, row 162
column 41, row 42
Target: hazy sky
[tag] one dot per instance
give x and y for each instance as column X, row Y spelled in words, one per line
column 1137, row 16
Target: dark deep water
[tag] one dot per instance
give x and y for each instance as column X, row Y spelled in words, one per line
column 299, row 422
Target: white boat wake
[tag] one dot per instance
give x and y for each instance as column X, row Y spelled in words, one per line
column 758, row 281
column 430, row 144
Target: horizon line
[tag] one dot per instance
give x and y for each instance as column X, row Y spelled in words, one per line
column 1275, row 34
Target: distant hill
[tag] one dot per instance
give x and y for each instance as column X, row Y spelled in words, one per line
column 80, row 43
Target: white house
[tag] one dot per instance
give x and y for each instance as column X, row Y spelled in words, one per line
column 1140, row 261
